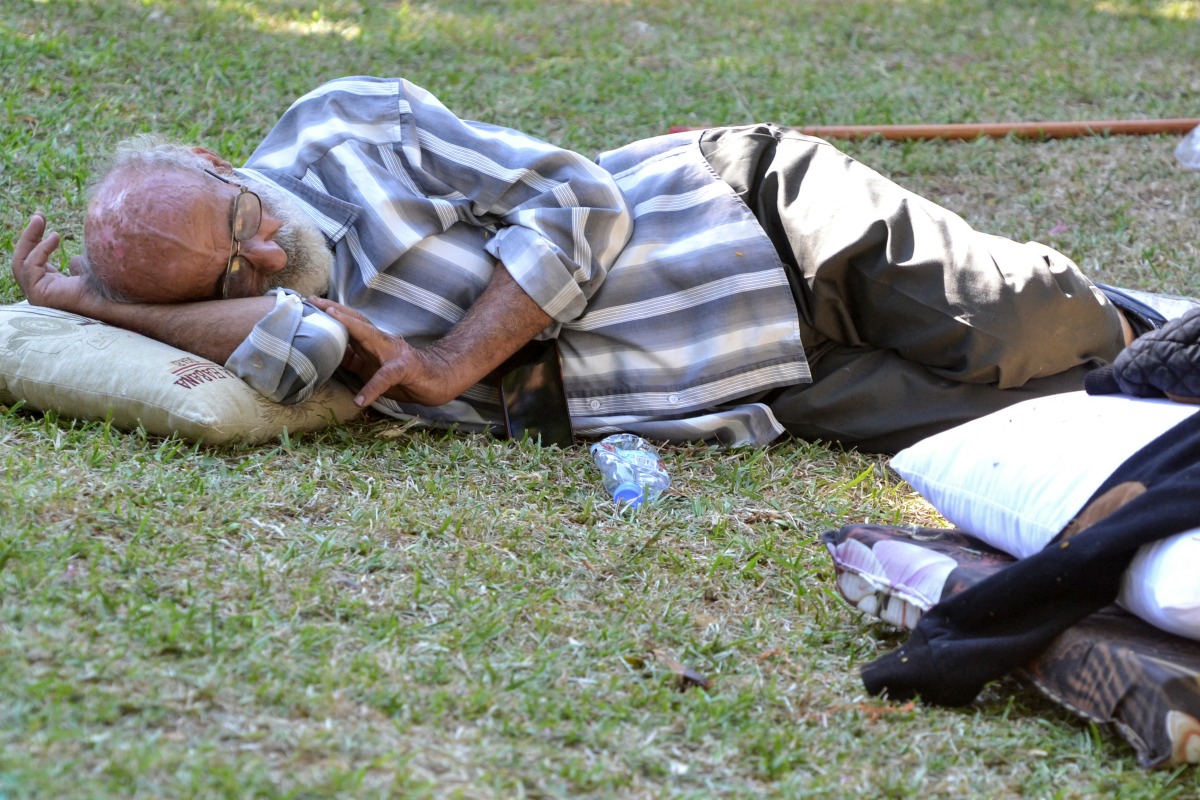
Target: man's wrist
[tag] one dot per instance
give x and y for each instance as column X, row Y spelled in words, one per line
column 443, row 372
column 90, row 304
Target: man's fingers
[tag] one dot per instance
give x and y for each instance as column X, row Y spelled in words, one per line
column 334, row 308
column 363, row 333
column 43, row 250
column 362, row 365
column 369, row 394
column 359, row 326
column 346, row 316
column 369, row 342
column 371, row 391
column 387, row 357
column 354, row 320
column 29, row 240
column 31, row 258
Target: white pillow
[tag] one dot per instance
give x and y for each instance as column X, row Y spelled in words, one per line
column 1015, row 477
column 84, row 369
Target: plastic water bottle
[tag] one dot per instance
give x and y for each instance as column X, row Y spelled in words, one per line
column 1188, row 151
column 632, row 470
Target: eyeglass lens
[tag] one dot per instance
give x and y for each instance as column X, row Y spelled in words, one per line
column 247, row 215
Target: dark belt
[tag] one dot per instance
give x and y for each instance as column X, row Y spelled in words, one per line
column 534, row 399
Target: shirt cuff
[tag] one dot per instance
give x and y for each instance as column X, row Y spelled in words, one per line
column 292, row 350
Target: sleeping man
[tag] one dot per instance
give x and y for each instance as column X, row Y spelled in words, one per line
column 731, row 284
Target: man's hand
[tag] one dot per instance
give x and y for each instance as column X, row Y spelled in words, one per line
column 390, row 366
column 41, row 282
column 502, row 320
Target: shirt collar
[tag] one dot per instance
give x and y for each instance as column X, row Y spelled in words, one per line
column 331, row 214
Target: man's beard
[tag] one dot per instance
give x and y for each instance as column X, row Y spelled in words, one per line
column 309, row 260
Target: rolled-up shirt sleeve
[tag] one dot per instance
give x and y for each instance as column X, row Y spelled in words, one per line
column 293, row 350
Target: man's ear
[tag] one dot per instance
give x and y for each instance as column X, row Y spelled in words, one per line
column 219, row 163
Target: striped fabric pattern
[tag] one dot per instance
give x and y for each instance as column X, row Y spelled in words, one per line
column 291, row 351
column 671, row 306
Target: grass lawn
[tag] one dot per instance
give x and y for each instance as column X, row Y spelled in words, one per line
column 377, row 611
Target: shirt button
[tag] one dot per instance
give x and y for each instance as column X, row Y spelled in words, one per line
column 595, row 404
column 673, row 399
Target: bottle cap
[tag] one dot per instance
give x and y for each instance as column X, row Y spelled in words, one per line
column 629, row 494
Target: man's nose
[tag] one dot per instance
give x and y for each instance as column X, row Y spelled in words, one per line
column 265, row 254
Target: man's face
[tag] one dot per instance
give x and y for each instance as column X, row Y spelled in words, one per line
column 172, row 237
column 309, row 260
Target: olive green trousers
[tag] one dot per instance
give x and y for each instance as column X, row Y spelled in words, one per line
column 913, row 321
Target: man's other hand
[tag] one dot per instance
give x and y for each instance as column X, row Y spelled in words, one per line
column 390, row 366
column 40, row 281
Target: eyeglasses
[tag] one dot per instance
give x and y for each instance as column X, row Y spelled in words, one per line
column 244, row 219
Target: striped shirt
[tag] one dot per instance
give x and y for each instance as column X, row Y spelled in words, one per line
column 671, row 307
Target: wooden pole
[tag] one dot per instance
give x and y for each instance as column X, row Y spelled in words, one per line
column 996, row 130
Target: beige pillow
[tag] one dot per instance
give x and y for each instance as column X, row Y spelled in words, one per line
column 84, row 369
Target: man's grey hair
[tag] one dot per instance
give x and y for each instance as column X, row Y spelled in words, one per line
column 146, row 151
column 83, row 268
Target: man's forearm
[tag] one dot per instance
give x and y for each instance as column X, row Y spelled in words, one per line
column 211, row 329
column 502, row 320
column 497, row 325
